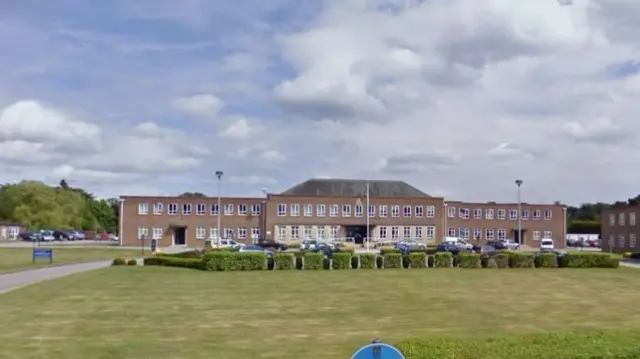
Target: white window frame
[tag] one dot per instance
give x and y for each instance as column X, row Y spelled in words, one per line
column 612, row 220
column 358, row 210
column 536, row 215
column 282, row 232
column 477, row 213
column 201, row 209
column 621, row 219
column 384, row 210
column 157, row 233
column 321, row 210
column 417, row 232
column 255, row 232
column 502, row 233
column 621, row 241
column 143, row 209
column 431, row 211
column 333, row 232
column 451, row 212
column 334, row 210
column 537, row 235
column 158, row 208
column 143, row 231
column 632, row 218
column 632, row 240
column 489, row 234
column 464, row 213
column 172, row 209
column 548, row 214
column 477, row 233
column 372, row 210
column 213, row 232
column 488, row 213
column 228, row 233
column 308, row 232
column 242, row 210
column 418, row 211
column 406, row 232
column 295, row 233
column 201, row 232
column 382, row 232
column 452, row 232
column 214, row 210
column 320, row 232
column 282, row 210
column 406, row 211
column 187, row 209
column 228, row 209
column 308, row 210
column 502, row 214
column 547, row 235
column 256, row 209
column 242, row 232
column 395, row 211
column 464, row 232
column 431, row 232
column 513, row 214
column 525, row 214
column 395, row 233
column 346, row 210
column 294, row 210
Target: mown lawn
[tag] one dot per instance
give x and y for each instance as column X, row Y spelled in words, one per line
column 174, row 313
column 13, row 259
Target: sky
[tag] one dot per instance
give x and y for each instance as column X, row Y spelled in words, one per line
column 458, row 98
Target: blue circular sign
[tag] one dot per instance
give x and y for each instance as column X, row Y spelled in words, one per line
column 377, row 351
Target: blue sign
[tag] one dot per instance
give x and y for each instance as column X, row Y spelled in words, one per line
column 154, row 245
column 377, row 351
column 43, row 253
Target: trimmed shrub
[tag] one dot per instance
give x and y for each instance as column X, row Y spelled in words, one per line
column 392, row 260
column 132, row 262
column 501, row 259
column 405, row 261
column 387, row 250
column 379, row 262
column 326, row 263
column 341, row 260
column 151, row 261
column 521, row 260
column 193, row 263
column 118, row 262
column 284, row 260
column 443, row 260
column 546, row 260
column 590, row 260
column 313, row 261
column 418, row 260
column 188, row 254
column 368, row 260
column 469, row 260
column 431, row 251
column 234, row 261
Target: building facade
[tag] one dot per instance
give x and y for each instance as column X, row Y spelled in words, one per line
column 335, row 210
column 619, row 228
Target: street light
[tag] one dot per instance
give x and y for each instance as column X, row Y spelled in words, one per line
column 263, row 230
column 445, row 231
column 519, row 184
column 219, row 175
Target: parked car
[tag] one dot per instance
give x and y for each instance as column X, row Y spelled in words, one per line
column 46, row 235
column 509, row 244
column 412, row 244
column 459, row 242
column 30, row 236
column 308, row 244
column 79, row 235
column 229, row 243
column 546, row 243
column 63, row 235
column 328, row 249
column 271, row 244
column 450, row 247
column 560, row 253
column 253, row 249
column 485, row 249
column 497, row 244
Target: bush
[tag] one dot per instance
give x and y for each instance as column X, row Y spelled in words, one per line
column 501, row 259
column 293, row 245
column 387, row 250
column 379, row 262
column 443, row 260
column 431, row 251
column 392, row 260
column 355, row 262
column 188, row 254
column 418, row 260
column 313, row 261
column 615, row 344
column 469, row 260
column 368, row 260
column 118, row 262
column 132, row 262
column 193, row 263
column 284, row 260
column 590, row 260
column 341, row 260
column 221, row 249
column 405, row 261
column 234, row 261
column 521, row 260
column 546, row 260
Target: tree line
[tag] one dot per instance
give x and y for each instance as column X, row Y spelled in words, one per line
column 586, row 217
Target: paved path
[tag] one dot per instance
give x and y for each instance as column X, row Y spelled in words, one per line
column 16, row 280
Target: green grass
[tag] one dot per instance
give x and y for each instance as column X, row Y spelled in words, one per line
column 14, row 259
column 174, row 313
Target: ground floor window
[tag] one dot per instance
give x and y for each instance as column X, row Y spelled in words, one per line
column 382, row 232
column 201, row 232
column 536, row 235
column 407, row 232
column 394, row 232
column 418, row 232
column 320, row 232
column 502, row 233
column 548, row 234
column 431, row 232
column 213, row 232
column 282, row 232
column 157, row 233
column 295, row 233
column 242, row 232
column 451, row 232
column 143, row 232
column 255, row 232
column 334, row 232
column 488, row 234
column 308, row 232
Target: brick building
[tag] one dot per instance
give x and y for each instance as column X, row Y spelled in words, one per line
column 619, row 228
column 335, row 209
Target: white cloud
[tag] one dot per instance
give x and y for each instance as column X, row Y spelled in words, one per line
column 239, row 129
column 253, row 180
column 198, row 105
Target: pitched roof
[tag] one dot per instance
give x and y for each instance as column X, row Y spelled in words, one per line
column 353, row 188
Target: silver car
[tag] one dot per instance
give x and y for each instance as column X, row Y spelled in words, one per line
column 413, row 244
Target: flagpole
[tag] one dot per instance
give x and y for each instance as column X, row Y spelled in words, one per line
column 368, row 238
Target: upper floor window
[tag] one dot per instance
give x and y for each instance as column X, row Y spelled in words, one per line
column 406, row 211
column 333, row 210
column 464, row 213
column 395, row 211
column 383, row 210
column 488, row 213
column 621, row 219
column 308, row 210
column 143, row 208
column 346, row 210
column 186, row 209
column 321, row 209
column 201, row 209
column 372, row 211
column 477, row 213
column 632, row 219
column 357, row 210
column 172, row 209
column 513, row 214
column 536, row 215
column 255, row 209
column 547, row 214
column 419, row 212
column 612, row 219
column 214, row 209
column 158, row 208
column 525, row 214
column 502, row 214
column 242, row 209
column 295, row 210
column 431, row 211
column 282, row 209
column 451, row 212
column 228, row 209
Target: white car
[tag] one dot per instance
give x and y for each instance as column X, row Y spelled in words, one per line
column 546, row 243
column 509, row 244
column 230, row 243
column 458, row 242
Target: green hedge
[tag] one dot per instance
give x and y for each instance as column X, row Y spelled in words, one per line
column 589, row 260
column 384, row 251
column 521, row 260
column 118, row 262
column 189, row 254
column 469, row 260
column 501, row 259
column 193, row 263
column 546, row 260
column 392, row 260
column 341, row 260
column 616, row 344
column 368, row 260
column 313, row 261
column 284, row 260
column 234, row 261
column 443, row 260
column 418, row 260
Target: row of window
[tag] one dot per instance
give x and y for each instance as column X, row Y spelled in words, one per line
column 201, row 209
column 622, row 219
column 501, row 214
column 622, row 241
column 491, row 233
column 201, row 232
column 358, row 210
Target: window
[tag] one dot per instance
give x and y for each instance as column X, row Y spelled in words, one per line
column 394, row 232
column 621, row 219
column 632, row 219
column 431, row 211
column 513, row 214
column 158, row 208
column 536, row 235
column 489, row 234
column 143, row 232
column 255, row 232
column 308, row 210
column 383, row 211
column 431, row 232
column 157, row 233
column 502, row 233
column 308, row 232
column 536, row 215
column 547, row 214
column 547, row 234
column 417, row 232
column 228, row 232
column 488, row 213
column 255, row 209
column 333, row 232
column 477, row 213
column 419, row 211
column 612, row 220
column 320, row 233
column 611, row 240
column 282, row 210
column 346, row 210
column 464, row 233
column 333, row 210
column 382, row 232
column 242, row 211
column 295, row 233
column 395, row 211
column 172, row 209
column 406, row 211
column 372, row 211
column 632, row 240
column 213, row 232
column 451, row 232
column 228, row 209
column 242, row 232
column 464, row 213
column 477, row 234
column 451, row 212
column 201, row 209
column 214, row 209
column 201, row 232
column 501, row 214
column 282, row 232
column 321, row 210
column 143, row 208
column 295, row 210
column 358, row 209
column 186, row 209
column 621, row 241
column 406, row 233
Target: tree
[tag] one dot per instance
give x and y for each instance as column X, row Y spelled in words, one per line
column 192, row 194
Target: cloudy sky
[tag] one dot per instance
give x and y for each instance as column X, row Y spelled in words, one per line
column 458, row 98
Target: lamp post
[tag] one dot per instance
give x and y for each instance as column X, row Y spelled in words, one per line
column 263, row 213
column 445, row 231
column 519, row 184
column 219, row 175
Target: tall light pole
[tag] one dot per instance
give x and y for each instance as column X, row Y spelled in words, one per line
column 263, row 214
column 445, row 231
column 219, row 175
column 520, row 241
column 368, row 237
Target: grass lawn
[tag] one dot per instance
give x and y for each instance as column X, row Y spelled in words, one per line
column 14, row 259
column 172, row 313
